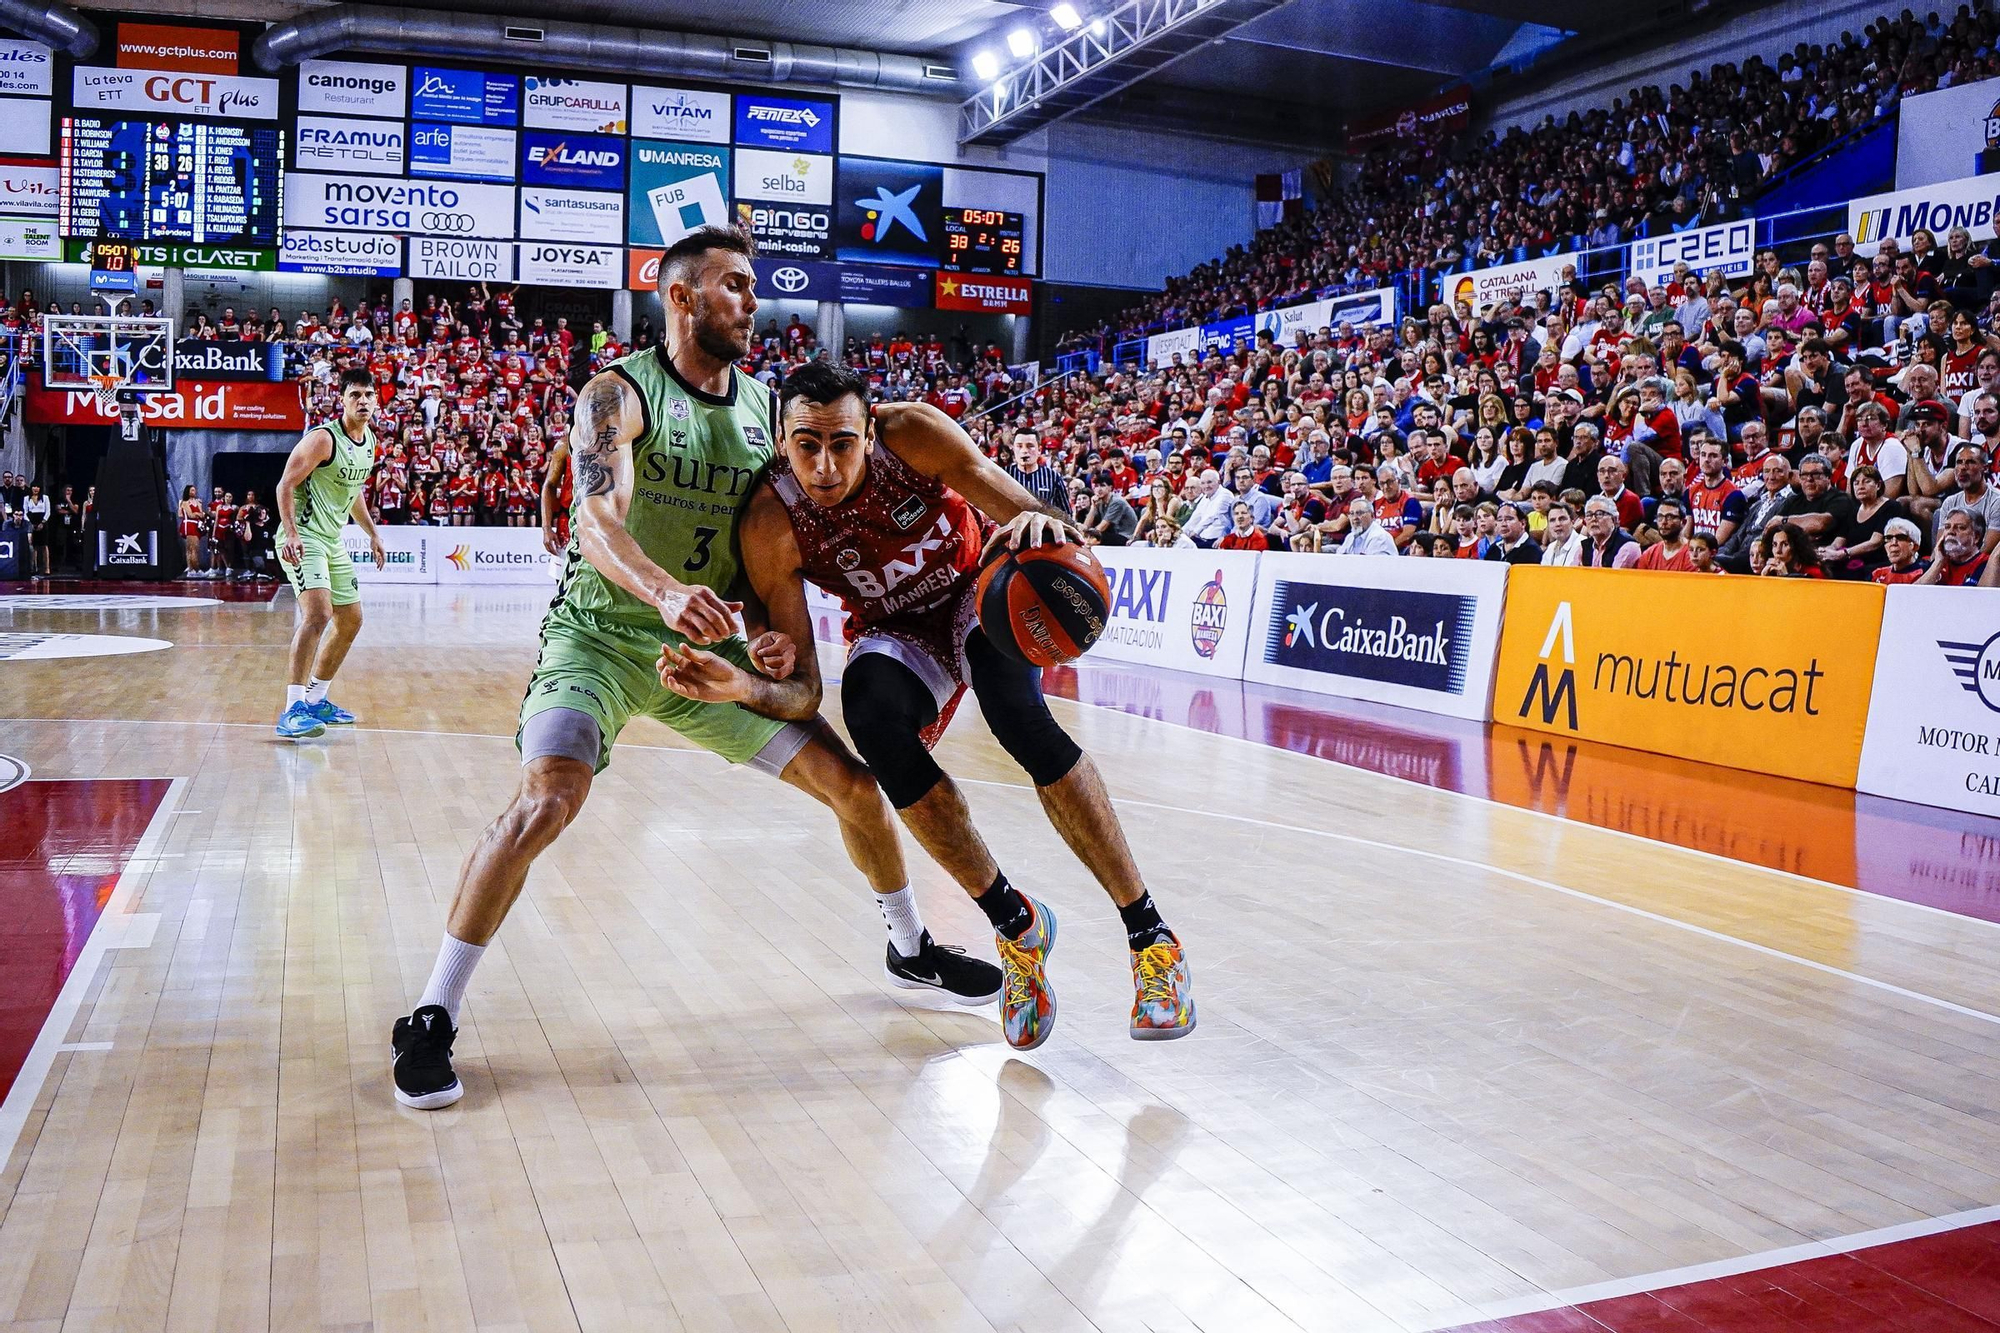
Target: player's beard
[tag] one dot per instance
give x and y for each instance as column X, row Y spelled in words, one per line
column 718, row 338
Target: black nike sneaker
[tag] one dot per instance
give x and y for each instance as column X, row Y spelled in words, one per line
column 944, row 968
column 420, row 1052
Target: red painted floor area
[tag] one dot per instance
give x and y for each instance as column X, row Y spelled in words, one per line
column 62, row 847
column 1947, row 1283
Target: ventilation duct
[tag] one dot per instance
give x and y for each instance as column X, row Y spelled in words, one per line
column 629, row 52
column 53, row 22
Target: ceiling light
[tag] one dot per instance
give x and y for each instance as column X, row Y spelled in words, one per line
column 1021, row 42
column 986, row 65
column 1066, row 17
column 1098, row 27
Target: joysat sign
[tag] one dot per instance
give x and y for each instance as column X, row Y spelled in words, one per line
column 1003, row 296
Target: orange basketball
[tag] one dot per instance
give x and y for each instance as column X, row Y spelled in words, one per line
column 1044, row 605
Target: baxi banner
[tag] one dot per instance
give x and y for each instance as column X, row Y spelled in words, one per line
column 1934, row 721
column 1184, row 609
column 1948, row 134
column 1733, row 671
column 1418, row 633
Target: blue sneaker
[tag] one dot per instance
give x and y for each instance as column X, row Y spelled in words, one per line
column 331, row 713
column 299, row 722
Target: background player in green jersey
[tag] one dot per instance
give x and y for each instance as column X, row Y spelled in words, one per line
column 320, row 489
column 667, row 446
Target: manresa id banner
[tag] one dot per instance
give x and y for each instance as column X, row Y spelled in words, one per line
column 1741, row 672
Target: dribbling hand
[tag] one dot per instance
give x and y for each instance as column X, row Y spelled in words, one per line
column 775, row 654
column 699, row 614
column 1033, row 528
column 701, row 676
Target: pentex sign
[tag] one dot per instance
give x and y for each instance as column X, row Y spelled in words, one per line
column 989, row 295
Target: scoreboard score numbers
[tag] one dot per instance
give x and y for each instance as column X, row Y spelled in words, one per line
column 982, row 240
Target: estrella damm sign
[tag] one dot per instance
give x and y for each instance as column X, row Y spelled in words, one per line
column 1771, row 675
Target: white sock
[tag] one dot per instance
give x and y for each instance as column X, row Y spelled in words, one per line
column 449, row 975
column 316, row 690
column 899, row 914
column 294, row 694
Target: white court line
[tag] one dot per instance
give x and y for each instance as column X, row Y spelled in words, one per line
column 1719, row 1268
column 111, row 921
column 84, row 1046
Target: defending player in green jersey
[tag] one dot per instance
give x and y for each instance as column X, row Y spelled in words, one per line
column 666, row 448
column 320, row 490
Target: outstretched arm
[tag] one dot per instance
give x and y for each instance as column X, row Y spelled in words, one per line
column 934, row 445
column 771, row 563
column 608, row 421
column 312, row 450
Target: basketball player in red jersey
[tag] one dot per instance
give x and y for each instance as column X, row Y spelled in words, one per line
column 555, row 502
column 889, row 510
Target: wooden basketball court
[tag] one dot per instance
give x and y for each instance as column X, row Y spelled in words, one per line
column 1457, row 1061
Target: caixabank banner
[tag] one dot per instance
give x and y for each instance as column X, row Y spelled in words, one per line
column 1743, row 672
column 1934, row 721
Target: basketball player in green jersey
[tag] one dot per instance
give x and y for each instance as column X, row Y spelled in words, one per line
column 321, row 488
column 666, row 449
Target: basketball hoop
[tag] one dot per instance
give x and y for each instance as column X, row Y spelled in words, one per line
column 106, row 388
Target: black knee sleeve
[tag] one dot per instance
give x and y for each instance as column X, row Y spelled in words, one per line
column 886, row 705
column 1010, row 699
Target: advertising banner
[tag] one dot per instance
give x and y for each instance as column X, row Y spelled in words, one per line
column 210, row 258
column 988, row 295
column 464, row 260
column 1727, row 248
column 574, row 104
column 470, row 151
column 23, row 238
column 784, row 178
column 1230, row 335
column 675, row 188
column 1162, row 348
column 165, row 92
column 191, row 406
column 1417, row 633
column 353, row 88
column 571, row 215
column 685, row 114
column 490, row 555
column 410, row 551
column 464, row 96
column 1188, row 610
column 374, row 147
column 1445, row 114
column 1360, row 309
column 436, row 208
column 213, row 359
column 784, row 123
column 26, row 127
column 1934, row 721
column 852, row 284
column 364, row 254
column 563, row 264
column 1948, row 134
column 889, row 212
column 1733, row 671
column 187, row 50
column 27, row 69
column 29, row 188
column 1970, row 203
column 585, row 161
column 1507, row 282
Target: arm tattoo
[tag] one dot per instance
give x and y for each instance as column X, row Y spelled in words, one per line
column 592, row 460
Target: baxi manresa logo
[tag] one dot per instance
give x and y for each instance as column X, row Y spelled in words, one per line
column 1977, row 666
column 1209, row 618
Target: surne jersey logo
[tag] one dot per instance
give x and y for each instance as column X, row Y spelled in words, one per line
column 869, row 583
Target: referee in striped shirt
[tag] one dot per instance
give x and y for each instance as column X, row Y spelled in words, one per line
column 1042, row 481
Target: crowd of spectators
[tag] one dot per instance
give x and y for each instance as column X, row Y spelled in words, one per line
column 1655, row 160
column 1830, row 418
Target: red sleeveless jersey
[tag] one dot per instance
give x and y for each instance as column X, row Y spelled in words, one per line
column 901, row 546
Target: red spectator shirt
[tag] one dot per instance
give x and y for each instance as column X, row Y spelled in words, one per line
column 1711, row 506
column 1959, row 377
column 1397, row 514
column 1891, row 575
column 1254, row 541
column 1631, row 510
column 1964, row 575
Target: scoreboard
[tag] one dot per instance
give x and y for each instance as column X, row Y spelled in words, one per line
column 982, row 240
column 204, row 182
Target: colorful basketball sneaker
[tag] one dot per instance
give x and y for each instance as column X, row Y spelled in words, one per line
column 1163, row 1003
column 331, row 713
column 1027, row 1001
column 298, row 723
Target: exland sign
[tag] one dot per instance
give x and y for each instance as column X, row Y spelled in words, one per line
column 212, row 258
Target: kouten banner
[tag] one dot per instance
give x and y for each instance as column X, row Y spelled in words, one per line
column 452, row 555
column 1771, row 675
column 1934, row 723
column 1419, row 633
column 1185, row 609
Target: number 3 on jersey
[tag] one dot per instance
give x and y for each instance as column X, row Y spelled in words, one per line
column 702, row 537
